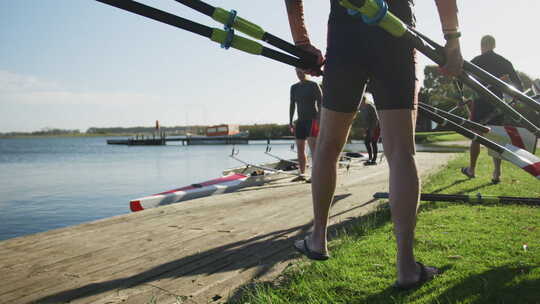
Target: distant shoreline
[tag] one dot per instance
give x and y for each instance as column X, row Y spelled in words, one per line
column 64, row 135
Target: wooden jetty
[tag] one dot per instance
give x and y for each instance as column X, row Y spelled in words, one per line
column 192, row 140
column 199, row 251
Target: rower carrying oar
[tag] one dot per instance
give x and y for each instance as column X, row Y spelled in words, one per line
column 471, row 198
column 226, row 37
column 386, row 20
column 517, row 156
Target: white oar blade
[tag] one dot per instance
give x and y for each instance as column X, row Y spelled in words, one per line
column 523, row 159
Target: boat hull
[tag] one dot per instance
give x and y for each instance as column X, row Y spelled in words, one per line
column 232, row 180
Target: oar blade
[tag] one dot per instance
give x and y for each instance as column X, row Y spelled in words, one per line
column 523, row 159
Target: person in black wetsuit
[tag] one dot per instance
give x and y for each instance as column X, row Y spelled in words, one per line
column 356, row 52
column 482, row 110
column 370, row 120
column 306, row 97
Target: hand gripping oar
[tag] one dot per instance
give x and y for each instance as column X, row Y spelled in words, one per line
column 398, row 28
column 469, row 124
column 519, row 157
column 226, row 38
column 475, row 198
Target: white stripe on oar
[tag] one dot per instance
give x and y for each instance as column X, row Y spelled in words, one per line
column 522, row 158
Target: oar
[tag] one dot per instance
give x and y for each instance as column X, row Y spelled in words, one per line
column 469, row 124
column 459, row 86
column 474, row 198
column 398, row 28
column 217, row 35
column 267, row 152
column 253, row 30
column 488, row 78
column 517, row 156
column 233, row 156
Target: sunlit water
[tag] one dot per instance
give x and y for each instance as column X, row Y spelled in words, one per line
column 48, row 183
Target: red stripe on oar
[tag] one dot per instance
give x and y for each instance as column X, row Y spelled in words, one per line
column 515, row 137
column 533, row 169
column 135, row 206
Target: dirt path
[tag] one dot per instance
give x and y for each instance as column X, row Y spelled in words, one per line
column 193, row 252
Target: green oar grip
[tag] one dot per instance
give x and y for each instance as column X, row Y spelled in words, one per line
column 240, row 24
column 238, row 42
column 370, row 8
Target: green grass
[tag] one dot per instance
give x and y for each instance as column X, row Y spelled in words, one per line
column 433, row 137
column 479, row 247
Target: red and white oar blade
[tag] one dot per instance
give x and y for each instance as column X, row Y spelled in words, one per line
column 516, row 136
column 523, row 159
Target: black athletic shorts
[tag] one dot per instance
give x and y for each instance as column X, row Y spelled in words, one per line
column 483, row 112
column 357, row 52
column 306, row 128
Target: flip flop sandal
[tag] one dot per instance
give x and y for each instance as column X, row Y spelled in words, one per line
column 427, row 273
column 466, row 172
column 302, row 247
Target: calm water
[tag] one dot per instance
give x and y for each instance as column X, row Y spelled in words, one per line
column 48, row 183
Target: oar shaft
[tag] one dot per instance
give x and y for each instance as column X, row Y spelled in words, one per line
column 161, row 16
column 251, row 29
column 435, row 54
column 458, row 120
column 461, row 130
column 213, row 34
column 478, row 198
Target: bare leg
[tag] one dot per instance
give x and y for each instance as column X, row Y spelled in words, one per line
column 333, row 133
column 398, row 133
column 474, row 152
column 496, row 169
column 301, row 152
column 312, row 144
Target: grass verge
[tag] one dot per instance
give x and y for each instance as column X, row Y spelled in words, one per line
column 480, row 247
column 433, row 137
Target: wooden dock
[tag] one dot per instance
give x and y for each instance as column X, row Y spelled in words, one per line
column 192, row 140
column 198, row 251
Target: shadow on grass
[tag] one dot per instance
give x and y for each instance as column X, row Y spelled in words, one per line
column 449, row 186
column 506, row 284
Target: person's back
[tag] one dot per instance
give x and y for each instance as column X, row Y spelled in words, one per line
column 483, row 110
column 306, row 95
column 497, row 66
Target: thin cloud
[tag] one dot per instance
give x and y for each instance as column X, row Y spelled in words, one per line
column 30, row 90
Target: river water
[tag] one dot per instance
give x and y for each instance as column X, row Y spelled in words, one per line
column 48, row 183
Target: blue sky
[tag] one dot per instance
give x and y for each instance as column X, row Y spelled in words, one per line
column 75, row 64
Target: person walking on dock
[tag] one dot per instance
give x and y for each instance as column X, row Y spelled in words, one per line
column 370, row 120
column 482, row 110
column 306, row 96
column 357, row 52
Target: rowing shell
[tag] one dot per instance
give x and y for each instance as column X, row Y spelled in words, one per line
column 207, row 188
column 232, row 180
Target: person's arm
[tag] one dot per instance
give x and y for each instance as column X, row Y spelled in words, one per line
column 318, row 99
column 448, row 14
column 295, row 12
column 514, row 78
column 291, row 109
